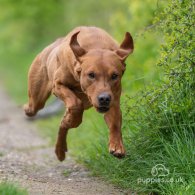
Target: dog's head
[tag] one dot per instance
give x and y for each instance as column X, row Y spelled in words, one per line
column 100, row 71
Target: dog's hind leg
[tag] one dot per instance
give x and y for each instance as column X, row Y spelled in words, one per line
column 39, row 89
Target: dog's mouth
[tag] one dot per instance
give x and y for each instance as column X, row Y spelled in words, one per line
column 102, row 109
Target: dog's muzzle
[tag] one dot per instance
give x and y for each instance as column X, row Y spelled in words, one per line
column 104, row 100
column 102, row 109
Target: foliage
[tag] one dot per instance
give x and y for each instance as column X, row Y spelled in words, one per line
column 138, row 20
column 10, row 189
column 25, row 27
column 27, row 24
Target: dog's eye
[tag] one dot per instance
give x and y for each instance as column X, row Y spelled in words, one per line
column 114, row 76
column 91, row 75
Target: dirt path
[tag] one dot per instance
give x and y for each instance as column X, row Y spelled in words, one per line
column 26, row 159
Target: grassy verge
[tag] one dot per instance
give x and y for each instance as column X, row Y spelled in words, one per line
column 11, row 189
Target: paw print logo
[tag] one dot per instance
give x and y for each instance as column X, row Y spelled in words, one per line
column 160, row 170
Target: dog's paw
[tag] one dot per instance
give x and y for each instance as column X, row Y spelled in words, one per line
column 60, row 153
column 117, row 149
column 28, row 111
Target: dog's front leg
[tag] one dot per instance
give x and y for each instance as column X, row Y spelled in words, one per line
column 113, row 119
column 71, row 119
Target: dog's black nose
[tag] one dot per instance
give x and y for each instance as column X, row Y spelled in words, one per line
column 104, row 99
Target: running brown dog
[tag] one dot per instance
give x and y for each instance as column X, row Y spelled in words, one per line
column 83, row 69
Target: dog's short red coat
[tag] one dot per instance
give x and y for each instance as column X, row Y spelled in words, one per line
column 63, row 68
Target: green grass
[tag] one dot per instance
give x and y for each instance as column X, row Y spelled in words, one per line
column 11, row 189
column 66, row 173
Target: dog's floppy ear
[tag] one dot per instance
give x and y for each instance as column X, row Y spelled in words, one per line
column 126, row 47
column 76, row 48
